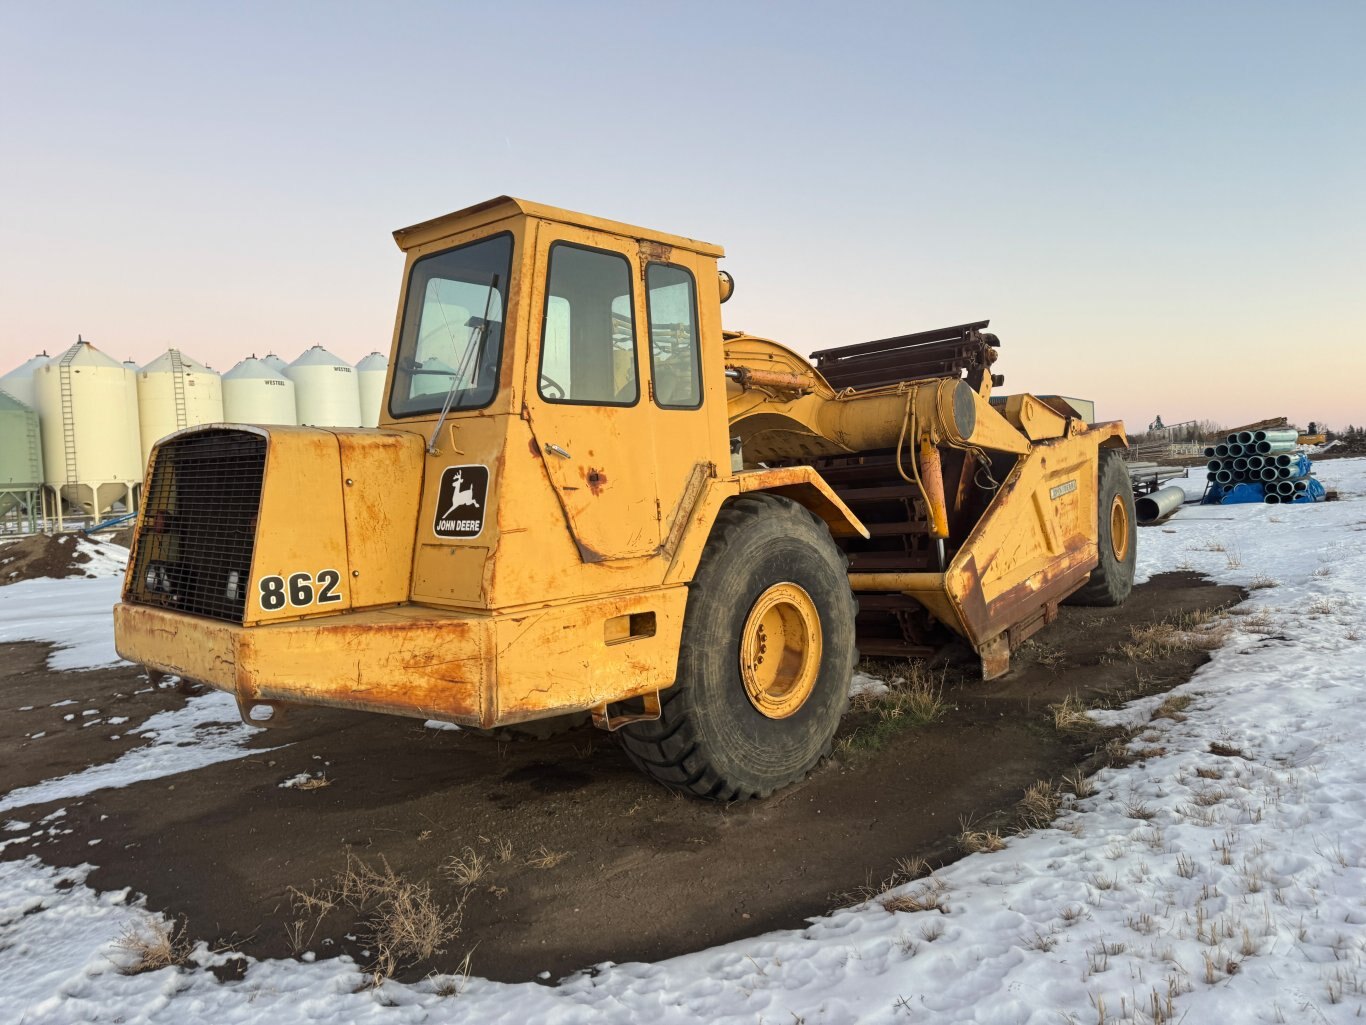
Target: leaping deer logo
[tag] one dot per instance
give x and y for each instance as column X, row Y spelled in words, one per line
column 460, row 497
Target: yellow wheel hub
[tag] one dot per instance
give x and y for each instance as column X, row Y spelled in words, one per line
column 1119, row 528
column 780, row 650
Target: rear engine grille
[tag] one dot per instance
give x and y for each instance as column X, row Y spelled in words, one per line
column 198, row 527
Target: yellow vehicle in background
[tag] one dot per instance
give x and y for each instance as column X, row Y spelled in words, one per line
column 585, row 495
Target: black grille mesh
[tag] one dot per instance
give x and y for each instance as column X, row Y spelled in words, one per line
column 198, row 526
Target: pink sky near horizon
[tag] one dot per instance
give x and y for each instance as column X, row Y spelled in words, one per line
column 1162, row 209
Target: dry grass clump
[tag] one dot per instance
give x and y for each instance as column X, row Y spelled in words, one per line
column 915, row 697
column 1173, row 707
column 1261, row 582
column 544, row 857
column 402, row 922
column 1071, row 717
column 1200, row 630
column 155, row 944
column 930, row 896
column 973, row 841
column 465, row 868
column 1040, row 804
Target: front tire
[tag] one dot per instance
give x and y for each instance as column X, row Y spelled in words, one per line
column 1116, row 536
column 764, row 662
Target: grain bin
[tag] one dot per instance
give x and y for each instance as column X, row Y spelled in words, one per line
column 325, row 389
column 175, row 392
column 371, row 373
column 256, row 393
column 274, row 362
column 21, row 455
column 88, row 413
column 19, row 381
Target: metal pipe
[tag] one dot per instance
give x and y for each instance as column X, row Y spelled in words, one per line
column 1214, row 464
column 1240, row 465
column 1221, row 450
column 1285, row 488
column 1224, row 476
column 1273, row 499
column 905, row 582
column 1244, row 437
column 1278, row 434
column 1283, row 459
column 1232, row 439
column 1209, row 451
column 1266, row 448
column 1255, row 462
column 1301, row 486
column 1270, row 473
column 1159, row 505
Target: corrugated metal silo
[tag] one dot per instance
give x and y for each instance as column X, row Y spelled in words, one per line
column 175, row 392
column 256, row 393
column 325, row 389
column 21, row 454
column 371, row 373
column 19, row 381
column 88, row 414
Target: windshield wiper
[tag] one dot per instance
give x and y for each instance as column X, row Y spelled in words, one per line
column 479, row 331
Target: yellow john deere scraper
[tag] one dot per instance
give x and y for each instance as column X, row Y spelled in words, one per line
column 584, row 495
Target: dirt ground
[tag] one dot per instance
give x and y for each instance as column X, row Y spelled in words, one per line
column 645, row 874
column 40, row 556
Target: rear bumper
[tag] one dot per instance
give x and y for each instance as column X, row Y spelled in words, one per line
column 485, row 670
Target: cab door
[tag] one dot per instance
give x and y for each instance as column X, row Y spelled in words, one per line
column 586, row 392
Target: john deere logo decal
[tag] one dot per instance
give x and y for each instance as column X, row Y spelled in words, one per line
column 460, row 501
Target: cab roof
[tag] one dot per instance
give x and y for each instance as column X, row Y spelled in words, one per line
column 509, row 206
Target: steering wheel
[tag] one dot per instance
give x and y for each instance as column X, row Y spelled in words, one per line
column 549, row 383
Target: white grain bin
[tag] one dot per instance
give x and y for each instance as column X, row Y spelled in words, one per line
column 325, row 388
column 21, row 454
column 19, row 381
column 371, row 373
column 274, row 362
column 256, row 393
column 175, row 392
column 88, row 412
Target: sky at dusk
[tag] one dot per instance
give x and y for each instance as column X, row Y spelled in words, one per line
column 1161, row 206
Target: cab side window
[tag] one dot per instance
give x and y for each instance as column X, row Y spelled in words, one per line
column 675, row 365
column 588, row 352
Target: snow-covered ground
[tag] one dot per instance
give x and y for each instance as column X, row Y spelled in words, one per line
column 1221, row 879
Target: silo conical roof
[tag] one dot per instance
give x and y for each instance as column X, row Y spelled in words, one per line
column 274, row 362
column 166, row 363
column 254, row 392
column 326, row 389
column 19, row 381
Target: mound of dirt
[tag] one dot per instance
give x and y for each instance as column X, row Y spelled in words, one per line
column 54, row 557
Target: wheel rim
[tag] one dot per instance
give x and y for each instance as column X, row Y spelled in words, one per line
column 1119, row 528
column 780, row 650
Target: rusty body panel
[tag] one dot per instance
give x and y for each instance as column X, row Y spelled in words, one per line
column 530, row 553
column 411, row 660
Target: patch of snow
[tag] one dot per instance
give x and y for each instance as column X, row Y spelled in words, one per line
column 73, row 614
column 862, row 683
column 437, row 724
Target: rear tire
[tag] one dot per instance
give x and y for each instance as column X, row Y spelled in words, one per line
column 1116, row 536
column 770, row 571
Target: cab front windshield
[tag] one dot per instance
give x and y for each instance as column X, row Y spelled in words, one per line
column 452, row 337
